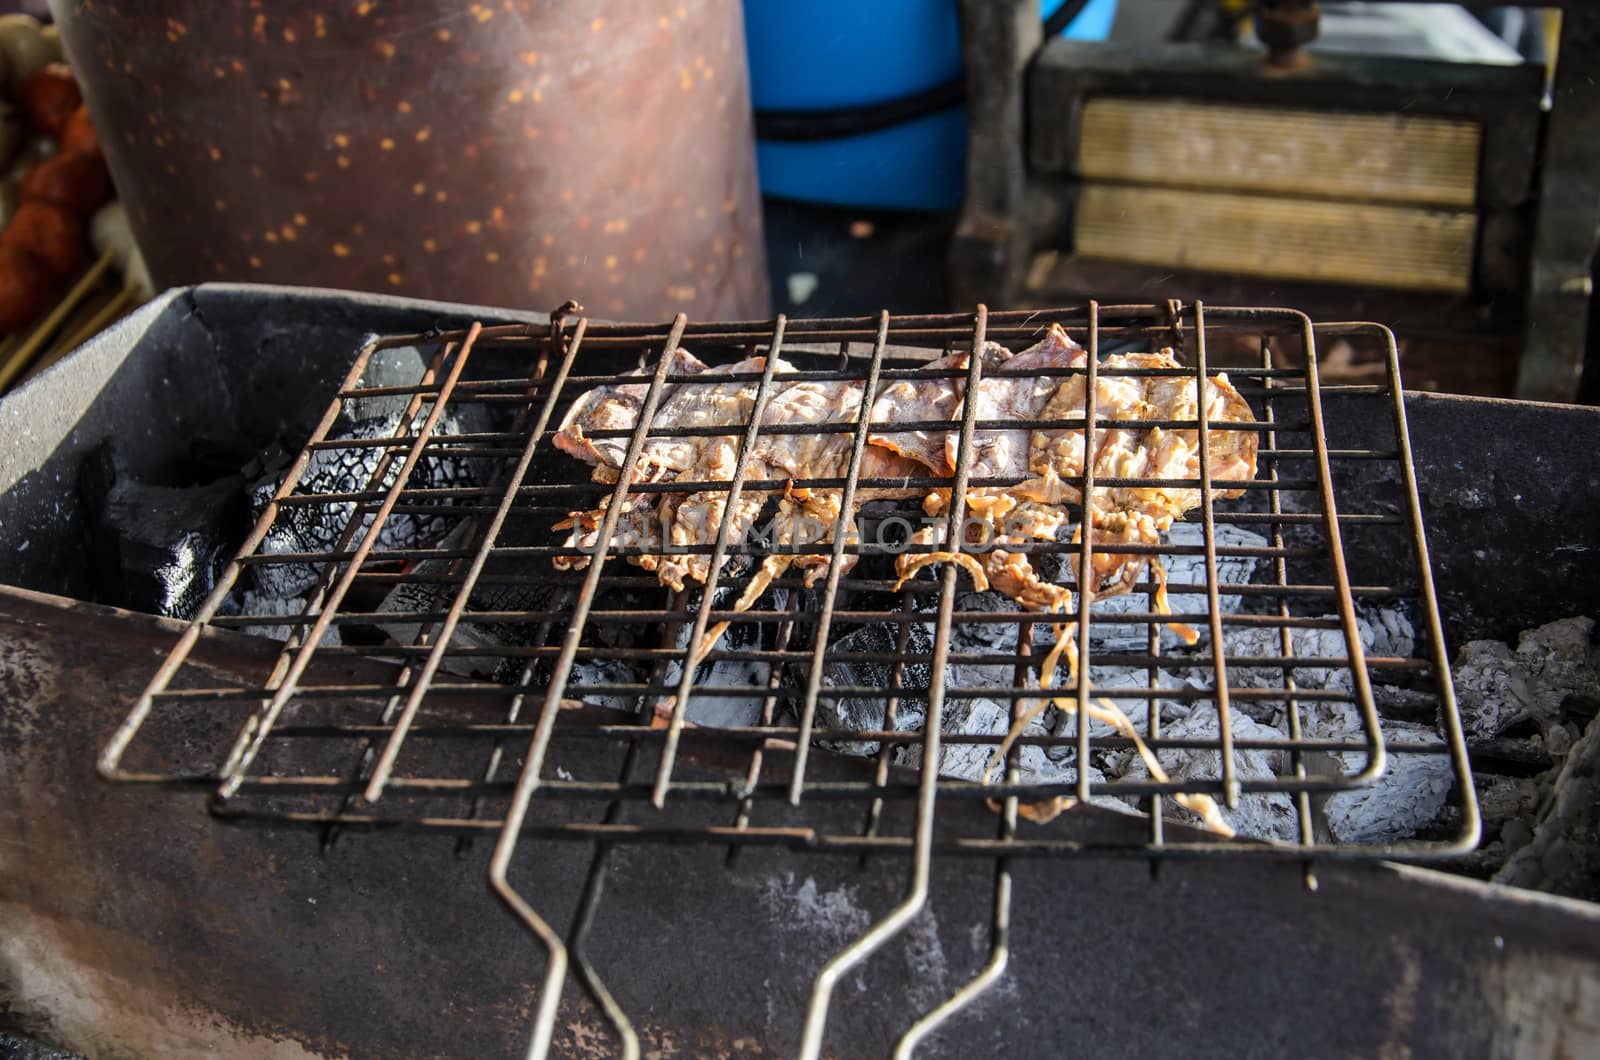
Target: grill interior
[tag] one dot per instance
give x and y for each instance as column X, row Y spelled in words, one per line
column 476, row 689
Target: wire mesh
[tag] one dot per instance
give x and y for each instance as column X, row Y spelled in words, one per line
column 494, row 679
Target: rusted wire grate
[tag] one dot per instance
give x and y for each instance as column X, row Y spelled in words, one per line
column 477, row 689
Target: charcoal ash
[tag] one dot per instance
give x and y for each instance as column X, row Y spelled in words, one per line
column 317, row 528
column 430, row 588
column 1260, row 815
column 159, row 547
column 259, row 606
column 1553, row 673
column 1386, row 631
column 752, row 678
column 1182, row 569
column 1405, row 799
column 970, row 761
column 1528, row 719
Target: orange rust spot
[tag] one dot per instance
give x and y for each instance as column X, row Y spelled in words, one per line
column 387, row 143
column 440, row 196
column 418, row 188
column 682, row 13
column 218, row 204
column 270, row 237
column 515, row 95
column 218, row 72
column 359, row 229
column 423, row 134
column 300, row 219
column 708, row 72
column 344, row 163
column 341, row 140
column 538, row 96
column 491, row 256
column 474, row 227
column 364, row 8
column 385, row 49
column 341, row 251
column 616, row 224
column 497, row 216
column 663, row 21
column 403, row 107
column 583, row 222
column 685, row 79
column 530, row 58
column 597, row 25
column 443, row 34
column 638, row 255
column 430, row 245
column 322, row 25
column 680, row 292
column 215, row 153
column 284, row 84
column 311, row 176
column 548, row 239
column 539, row 265
column 238, row 66
column 566, row 194
column 256, row 171
column 288, row 35
column 394, row 278
column 255, row 262
column 572, row 260
column 389, row 259
column 289, row 234
column 532, row 133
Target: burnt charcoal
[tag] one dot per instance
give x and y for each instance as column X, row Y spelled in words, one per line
column 1552, row 669
column 503, row 586
column 1262, row 815
column 732, row 709
column 316, row 528
column 158, row 548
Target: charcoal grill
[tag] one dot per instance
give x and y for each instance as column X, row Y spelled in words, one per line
column 430, row 751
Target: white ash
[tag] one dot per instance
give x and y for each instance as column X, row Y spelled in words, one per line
column 1498, row 688
column 749, row 679
column 1407, row 797
column 970, row 761
column 588, row 673
column 318, row 527
column 1385, row 631
column 1185, row 569
column 258, row 605
column 997, row 640
column 1263, row 815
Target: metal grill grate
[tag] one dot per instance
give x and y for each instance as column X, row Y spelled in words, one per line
column 476, row 689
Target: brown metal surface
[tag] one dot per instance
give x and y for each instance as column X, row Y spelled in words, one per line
column 491, row 153
column 146, row 929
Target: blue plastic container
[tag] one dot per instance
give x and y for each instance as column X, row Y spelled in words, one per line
column 836, row 54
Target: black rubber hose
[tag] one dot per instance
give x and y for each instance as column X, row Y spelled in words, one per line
column 802, row 126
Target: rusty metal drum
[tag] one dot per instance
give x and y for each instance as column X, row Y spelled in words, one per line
column 514, row 152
